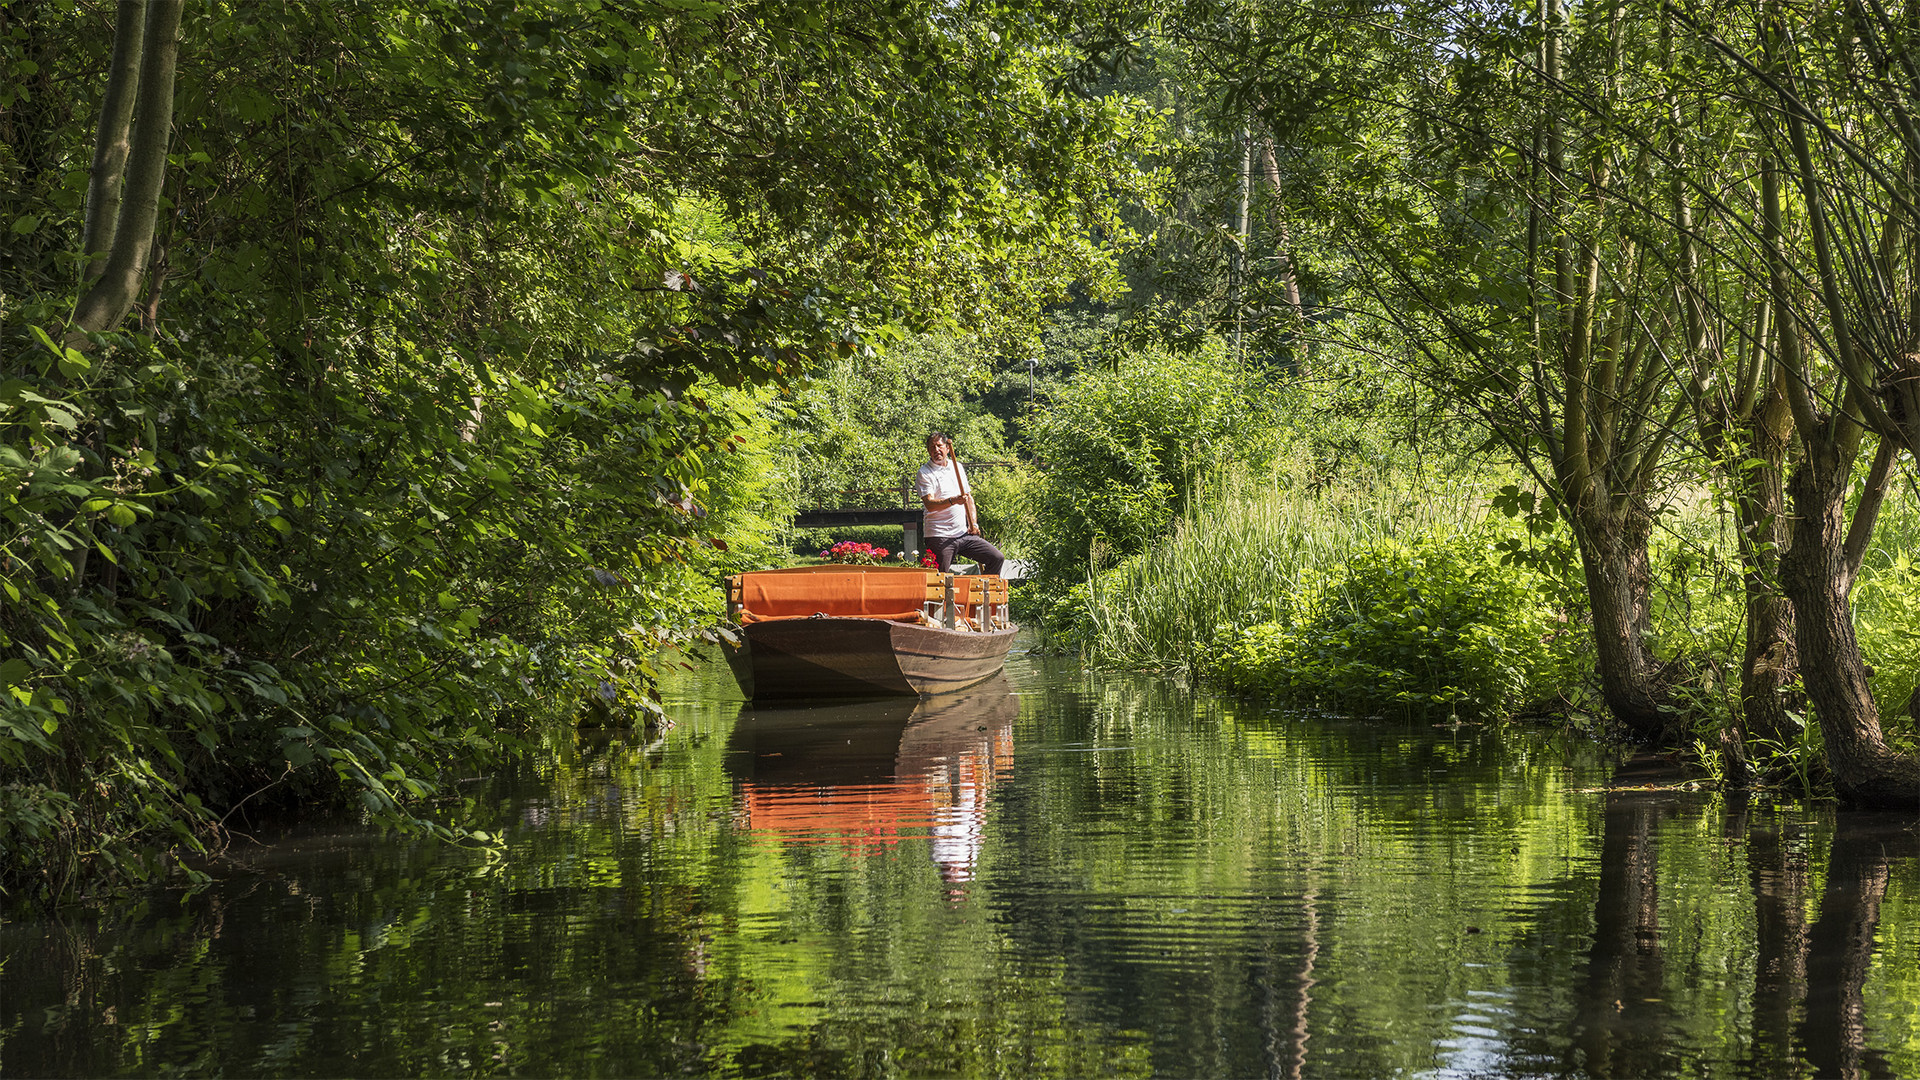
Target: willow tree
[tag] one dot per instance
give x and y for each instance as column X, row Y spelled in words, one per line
column 1739, row 390
column 1840, row 231
column 1511, row 239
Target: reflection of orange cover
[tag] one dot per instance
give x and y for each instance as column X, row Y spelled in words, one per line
column 863, row 816
column 858, row 776
column 947, row 801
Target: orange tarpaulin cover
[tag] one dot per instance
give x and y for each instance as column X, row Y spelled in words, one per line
column 878, row 596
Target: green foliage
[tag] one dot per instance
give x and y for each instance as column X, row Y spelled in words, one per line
column 1122, row 454
column 1698, row 630
column 220, row 621
column 1427, row 625
column 450, row 396
column 1886, row 599
column 1238, row 559
column 857, row 435
column 998, row 495
column 1349, row 467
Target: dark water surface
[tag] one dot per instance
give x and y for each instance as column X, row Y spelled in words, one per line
column 1059, row 874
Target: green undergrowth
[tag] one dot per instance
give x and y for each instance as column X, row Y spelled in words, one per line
column 1383, row 596
column 1885, row 602
column 1236, row 558
column 1433, row 624
column 327, row 592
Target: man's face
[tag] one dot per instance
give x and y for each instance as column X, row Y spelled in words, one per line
column 938, row 450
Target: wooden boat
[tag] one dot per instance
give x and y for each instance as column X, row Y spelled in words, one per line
column 837, row 631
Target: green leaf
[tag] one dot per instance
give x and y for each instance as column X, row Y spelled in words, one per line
column 41, row 336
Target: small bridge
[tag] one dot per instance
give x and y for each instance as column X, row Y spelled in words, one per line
column 907, row 517
column 905, row 513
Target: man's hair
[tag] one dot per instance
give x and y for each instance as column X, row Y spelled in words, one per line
column 941, row 435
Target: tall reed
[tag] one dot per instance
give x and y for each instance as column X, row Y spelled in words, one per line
column 1886, row 612
column 1240, row 556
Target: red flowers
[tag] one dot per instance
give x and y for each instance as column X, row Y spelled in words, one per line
column 849, row 551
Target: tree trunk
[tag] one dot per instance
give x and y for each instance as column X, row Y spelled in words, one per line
column 112, row 294
column 1242, row 239
column 1619, row 576
column 1817, row 574
column 111, row 140
column 1289, row 281
column 1755, row 469
column 1772, row 660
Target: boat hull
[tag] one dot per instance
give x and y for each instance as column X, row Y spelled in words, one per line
column 792, row 659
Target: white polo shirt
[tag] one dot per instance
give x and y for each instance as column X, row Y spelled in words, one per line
column 941, row 482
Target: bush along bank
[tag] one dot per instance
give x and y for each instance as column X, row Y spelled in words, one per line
column 1431, row 625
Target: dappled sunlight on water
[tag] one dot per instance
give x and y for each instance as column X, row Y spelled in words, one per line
column 1061, row 873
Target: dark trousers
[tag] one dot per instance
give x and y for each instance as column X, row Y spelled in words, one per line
column 969, row 546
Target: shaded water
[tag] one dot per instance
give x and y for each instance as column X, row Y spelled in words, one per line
column 1062, row 873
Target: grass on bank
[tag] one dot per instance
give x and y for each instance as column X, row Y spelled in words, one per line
column 1407, row 594
column 1241, row 557
column 1388, row 596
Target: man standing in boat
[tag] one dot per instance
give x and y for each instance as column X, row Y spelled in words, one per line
column 952, row 525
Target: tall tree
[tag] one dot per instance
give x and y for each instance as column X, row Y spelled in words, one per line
column 1511, row 239
column 129, row 162
column 1839, row 235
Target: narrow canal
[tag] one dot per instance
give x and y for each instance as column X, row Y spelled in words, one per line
column 1061, row 873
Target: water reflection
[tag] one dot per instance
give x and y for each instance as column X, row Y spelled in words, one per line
column 1779, row 871
column 1169, row 883
column 1624, row 1015
column 1807, row 999
column 867, row 773
column 1841, row 947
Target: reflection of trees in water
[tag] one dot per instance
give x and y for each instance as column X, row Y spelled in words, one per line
column 1285, row 1018
column 1777, row 871
column 1808, row 1004
column 1840, row 946
column 1622, row 1018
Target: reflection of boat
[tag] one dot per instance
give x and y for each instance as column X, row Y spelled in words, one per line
column 862, row 631
column 864, row 774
